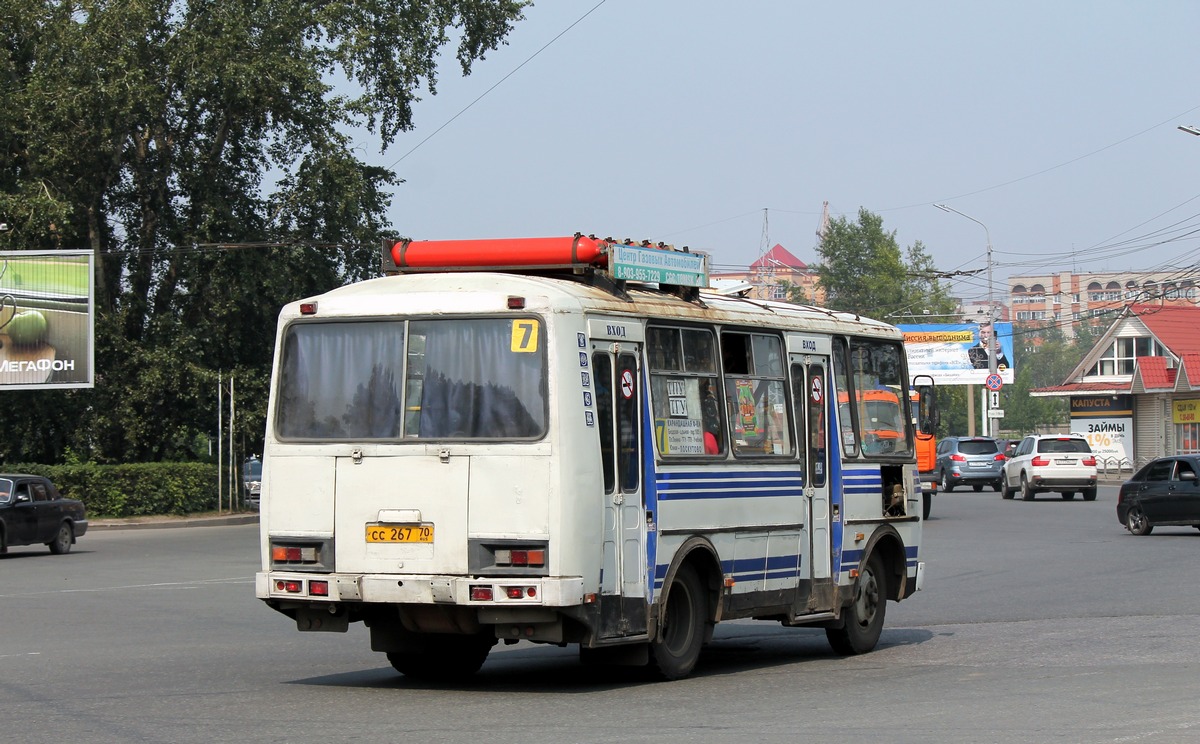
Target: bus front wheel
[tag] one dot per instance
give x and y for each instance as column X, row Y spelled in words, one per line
column 674, row 653
column 863, row 619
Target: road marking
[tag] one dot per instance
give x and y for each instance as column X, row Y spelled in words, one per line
column 232, row 580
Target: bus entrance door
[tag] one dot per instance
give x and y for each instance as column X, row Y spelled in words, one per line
column 811, row 397
column 618, row 414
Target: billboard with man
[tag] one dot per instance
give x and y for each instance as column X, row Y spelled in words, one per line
column 957, row 353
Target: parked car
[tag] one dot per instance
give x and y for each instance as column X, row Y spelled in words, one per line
column 33, row 511
column 1165, row 492
column 1053, row 462
column 969, row 461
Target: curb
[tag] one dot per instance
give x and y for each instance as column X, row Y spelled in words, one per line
column 157, row 523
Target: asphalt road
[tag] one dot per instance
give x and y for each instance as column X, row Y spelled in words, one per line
column 1041, row 622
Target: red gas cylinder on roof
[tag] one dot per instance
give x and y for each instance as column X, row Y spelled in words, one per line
column 499, row 252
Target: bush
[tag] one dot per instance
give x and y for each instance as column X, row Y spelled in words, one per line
column 143, row 489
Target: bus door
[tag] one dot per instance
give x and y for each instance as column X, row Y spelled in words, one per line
column 810, row 395
column 618, row 416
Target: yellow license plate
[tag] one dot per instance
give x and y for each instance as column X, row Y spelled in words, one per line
column 399, row 533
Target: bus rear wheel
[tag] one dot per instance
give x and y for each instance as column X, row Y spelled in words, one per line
column 674, row 653
column 863, row 619
column 443, row 658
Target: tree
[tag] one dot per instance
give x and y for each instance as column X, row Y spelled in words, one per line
column 863, row 271
column 165, row 136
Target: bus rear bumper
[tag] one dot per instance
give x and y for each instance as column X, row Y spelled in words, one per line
column 420, row 589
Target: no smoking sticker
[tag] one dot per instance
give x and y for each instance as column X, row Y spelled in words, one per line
column 627, row 384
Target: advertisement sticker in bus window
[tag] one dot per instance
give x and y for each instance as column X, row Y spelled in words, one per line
column 627, row 384
column 746, row 409
column 524, row 336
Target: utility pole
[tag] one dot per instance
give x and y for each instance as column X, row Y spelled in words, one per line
column 993, row 342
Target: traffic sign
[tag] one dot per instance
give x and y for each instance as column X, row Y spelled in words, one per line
column 994, row 382
column 994, row 399
column 996, row 413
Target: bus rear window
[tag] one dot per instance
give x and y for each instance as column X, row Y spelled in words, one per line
column 421, row 379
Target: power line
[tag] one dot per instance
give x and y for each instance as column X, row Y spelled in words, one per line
column 497, row 84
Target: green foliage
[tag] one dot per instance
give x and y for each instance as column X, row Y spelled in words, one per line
column 159, row 134
column 135, row 490
column 863, row 271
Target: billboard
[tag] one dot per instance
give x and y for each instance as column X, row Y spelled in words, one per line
column 957, row 353
column 1107, row 423
column 47, row 320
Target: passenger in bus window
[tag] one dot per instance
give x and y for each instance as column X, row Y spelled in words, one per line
column 710, row 412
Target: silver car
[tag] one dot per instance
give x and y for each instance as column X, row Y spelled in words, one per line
column 1054, row 462
column 969, row 461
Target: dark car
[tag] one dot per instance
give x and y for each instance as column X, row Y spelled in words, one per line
column 252, row 481
column 33, row 511
column 1165, row 492
column 969, row 461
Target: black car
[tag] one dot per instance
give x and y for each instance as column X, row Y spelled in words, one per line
column 1165, row 492
column 33, row 511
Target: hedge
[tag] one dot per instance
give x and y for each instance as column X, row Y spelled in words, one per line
column 143, row 489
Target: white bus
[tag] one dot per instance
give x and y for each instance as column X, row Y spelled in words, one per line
column 554, row 452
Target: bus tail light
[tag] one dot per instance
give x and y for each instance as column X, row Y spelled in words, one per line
column 518, row 557
column 318, row 588
column 481, row 593
column 301, row 554
column 291, row 586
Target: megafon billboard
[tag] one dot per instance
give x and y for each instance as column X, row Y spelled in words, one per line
column 47, row 320
column 957, row 353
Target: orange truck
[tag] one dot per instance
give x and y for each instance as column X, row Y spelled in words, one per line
column 925, row 405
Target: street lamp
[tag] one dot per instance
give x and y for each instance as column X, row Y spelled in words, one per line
column 1190, row 130
column 992, row 347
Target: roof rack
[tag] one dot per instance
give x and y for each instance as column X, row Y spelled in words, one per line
column 605, row 263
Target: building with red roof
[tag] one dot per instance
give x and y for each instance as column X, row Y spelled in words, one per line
column 773, row 274
column 1136, row 394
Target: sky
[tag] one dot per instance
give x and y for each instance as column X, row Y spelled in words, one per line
column 725, row 126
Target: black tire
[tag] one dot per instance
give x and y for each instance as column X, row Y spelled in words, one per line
column 863, row 619
column 1026, row 490
column 1136, row 522
column 1005, row 491
column 976, row 487
column 998, row 485
column 947, row 487
column 1067, row 495
column 927, row 506
column 685, row 619
column 443, row 658
column 1089, row 494
column 61, row 544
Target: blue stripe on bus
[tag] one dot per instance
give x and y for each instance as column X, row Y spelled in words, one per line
column 759, row 568
column 680, row 485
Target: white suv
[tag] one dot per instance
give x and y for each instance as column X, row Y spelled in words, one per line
column 1055, row 462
